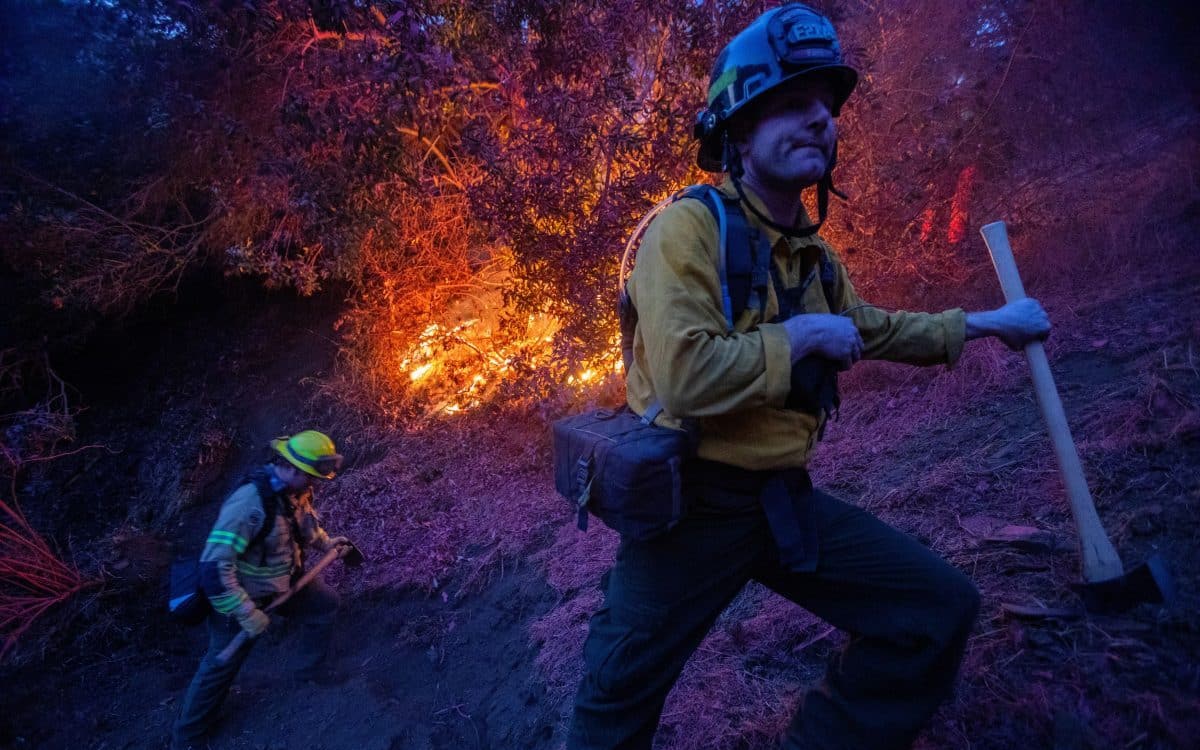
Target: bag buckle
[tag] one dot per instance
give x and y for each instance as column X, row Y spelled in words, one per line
column 584, row 479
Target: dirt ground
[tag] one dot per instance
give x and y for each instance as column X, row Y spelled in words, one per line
column 416, row 668
column 412, row 670
column 464, row 628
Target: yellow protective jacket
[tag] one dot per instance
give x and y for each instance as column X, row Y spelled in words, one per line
column 235, row 574
column 735, row 385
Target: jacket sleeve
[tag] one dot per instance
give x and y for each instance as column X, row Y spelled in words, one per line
column 240, row 519
column 696, row 366
column 910, row 337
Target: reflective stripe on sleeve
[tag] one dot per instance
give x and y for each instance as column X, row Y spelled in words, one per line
column 238, row 543
column 226, row 603
column 269, row 571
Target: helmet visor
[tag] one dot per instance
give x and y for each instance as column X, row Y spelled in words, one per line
column 325, row 467
column 328, row 466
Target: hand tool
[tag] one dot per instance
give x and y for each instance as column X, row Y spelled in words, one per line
column 1106, row 586
column 346, row 550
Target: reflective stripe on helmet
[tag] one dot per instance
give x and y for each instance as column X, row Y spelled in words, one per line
column 324, row 465
column 720, row 84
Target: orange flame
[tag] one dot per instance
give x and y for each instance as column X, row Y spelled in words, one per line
column 459, row 367
column 960, row 204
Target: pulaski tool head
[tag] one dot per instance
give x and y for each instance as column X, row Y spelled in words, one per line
column 351, row 555
column 1149, row 582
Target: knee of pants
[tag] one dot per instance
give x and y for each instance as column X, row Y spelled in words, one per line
column 961, row 602
column 951, row 603
column 624, row 657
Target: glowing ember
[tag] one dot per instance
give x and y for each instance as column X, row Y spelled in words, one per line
column 421, row 371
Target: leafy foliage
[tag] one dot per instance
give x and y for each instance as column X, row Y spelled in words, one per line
column 465, row 164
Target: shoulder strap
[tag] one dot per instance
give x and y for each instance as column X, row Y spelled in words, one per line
column 711, row 198
column 270, row 501
column 743, row 257
column 743, row 263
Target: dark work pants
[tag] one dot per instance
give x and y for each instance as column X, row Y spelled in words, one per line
column 907, row 611
column 315, row 606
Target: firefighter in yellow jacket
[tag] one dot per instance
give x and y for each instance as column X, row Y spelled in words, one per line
column 759, row 380
column 254, row 553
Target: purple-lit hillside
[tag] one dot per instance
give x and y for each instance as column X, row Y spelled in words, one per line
column 401, row 224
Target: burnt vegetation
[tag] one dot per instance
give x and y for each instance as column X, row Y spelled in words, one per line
column 429, row 199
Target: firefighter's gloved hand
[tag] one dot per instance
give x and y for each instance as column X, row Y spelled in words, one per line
column 833, row 337
column 253, row 621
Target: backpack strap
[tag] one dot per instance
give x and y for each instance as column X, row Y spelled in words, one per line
column 711, row 198
column 743, row 263
column 743, row 257
column 270, row 500
column 745, row 271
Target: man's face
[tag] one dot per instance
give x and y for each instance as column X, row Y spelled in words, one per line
column 788, row 144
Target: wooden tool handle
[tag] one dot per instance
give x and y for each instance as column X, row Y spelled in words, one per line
column 239, row 639
column 1100, row 559
column 228, row 652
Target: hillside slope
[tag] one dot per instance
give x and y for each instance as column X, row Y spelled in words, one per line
column 464, row 629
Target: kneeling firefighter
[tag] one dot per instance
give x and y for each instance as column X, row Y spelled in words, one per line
column 254, row 555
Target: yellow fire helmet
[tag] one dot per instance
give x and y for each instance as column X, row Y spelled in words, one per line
column 311, row 452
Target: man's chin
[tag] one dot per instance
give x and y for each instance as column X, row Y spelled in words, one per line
column 808, row 171
column 797, row 180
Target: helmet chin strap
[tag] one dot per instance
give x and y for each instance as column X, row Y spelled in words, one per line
column 824, row 187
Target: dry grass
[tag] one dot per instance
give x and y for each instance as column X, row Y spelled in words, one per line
column 447, row 507
column 33, row 577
